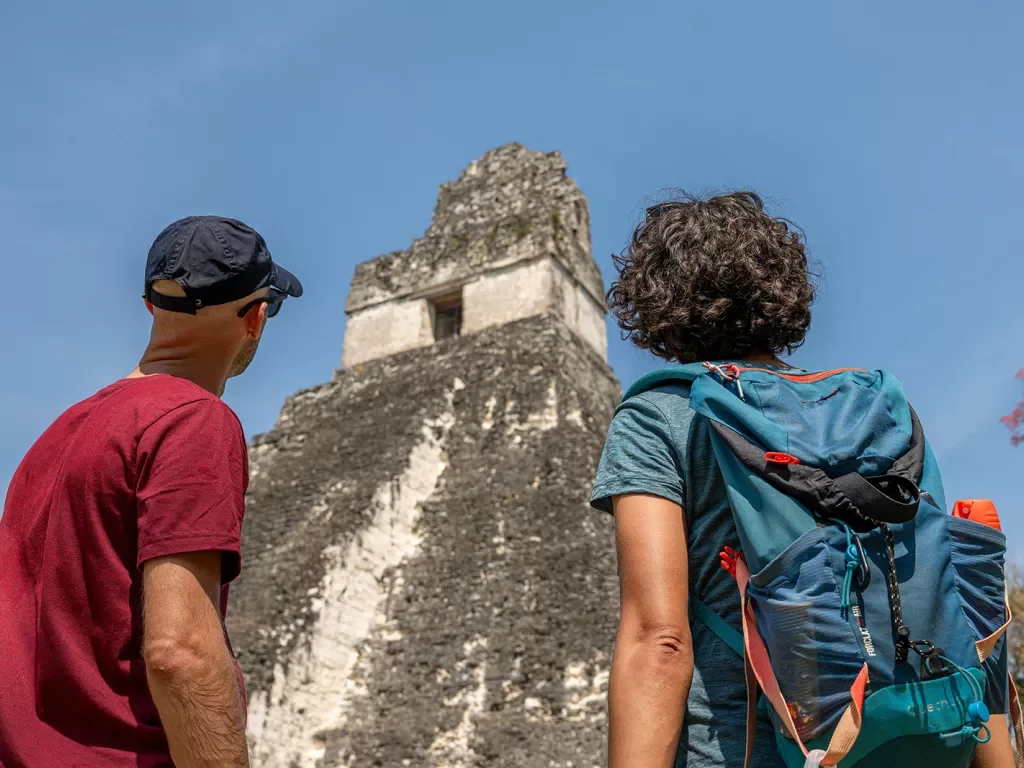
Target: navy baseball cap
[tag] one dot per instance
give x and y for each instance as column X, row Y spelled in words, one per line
column 215, row 261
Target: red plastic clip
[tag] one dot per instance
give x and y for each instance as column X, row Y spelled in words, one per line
column 727, row 558
column 775, row 457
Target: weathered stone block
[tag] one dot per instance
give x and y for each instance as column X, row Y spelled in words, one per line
column 512, row 233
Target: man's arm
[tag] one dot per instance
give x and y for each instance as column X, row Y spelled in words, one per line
column 653, row 664
column 188, row 665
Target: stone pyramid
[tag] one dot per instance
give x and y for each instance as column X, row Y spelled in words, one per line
column 424, row 584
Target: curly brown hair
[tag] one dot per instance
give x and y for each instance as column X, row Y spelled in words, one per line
column 713, row 279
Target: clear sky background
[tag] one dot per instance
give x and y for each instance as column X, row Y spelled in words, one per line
column 892, row 132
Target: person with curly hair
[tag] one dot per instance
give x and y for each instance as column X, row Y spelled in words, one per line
column 717, row 280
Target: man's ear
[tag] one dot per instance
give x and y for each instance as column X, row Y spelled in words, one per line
column 149, row 306
column 255, row 320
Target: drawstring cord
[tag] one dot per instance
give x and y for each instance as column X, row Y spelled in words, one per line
column 969, row 731
column 976, row 710
column 853, row 563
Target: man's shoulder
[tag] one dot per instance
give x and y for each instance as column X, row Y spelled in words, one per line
column 154, row 398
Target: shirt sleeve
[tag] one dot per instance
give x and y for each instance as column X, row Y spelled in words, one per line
column 191, row 482
column 640, row 456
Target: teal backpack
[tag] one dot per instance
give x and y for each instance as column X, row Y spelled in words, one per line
column 872, row 619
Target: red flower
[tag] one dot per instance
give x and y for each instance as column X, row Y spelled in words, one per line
column 1014, row 420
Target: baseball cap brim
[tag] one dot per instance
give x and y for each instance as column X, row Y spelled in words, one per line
column 285, row 281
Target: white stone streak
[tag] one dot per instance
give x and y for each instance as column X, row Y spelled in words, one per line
column 548, row 417
column 499, row 540
column 540, row 421
column 454, row 748
column 311, row 696
column 488, row 420
column 585, row 696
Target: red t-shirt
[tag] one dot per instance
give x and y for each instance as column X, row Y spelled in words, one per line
column 147, row 467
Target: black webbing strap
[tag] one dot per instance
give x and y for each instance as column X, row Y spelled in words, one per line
column 886, row 498
column 890, row 498
column 182, row 304
column 911, row 463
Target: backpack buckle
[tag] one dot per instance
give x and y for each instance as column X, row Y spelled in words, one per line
column 777, row 457
column 727, row 559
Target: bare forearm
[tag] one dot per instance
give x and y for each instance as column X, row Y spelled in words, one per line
column 201, row 710
column 650, row 681
column 998, row 751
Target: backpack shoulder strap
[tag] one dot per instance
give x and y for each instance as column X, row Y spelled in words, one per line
column 717, row 624
column 685, row 373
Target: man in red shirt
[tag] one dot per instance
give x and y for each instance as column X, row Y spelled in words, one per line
column 121, row 532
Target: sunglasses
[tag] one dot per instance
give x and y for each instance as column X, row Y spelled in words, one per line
column 273, row 302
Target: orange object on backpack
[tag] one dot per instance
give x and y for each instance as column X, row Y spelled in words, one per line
column 979, row 511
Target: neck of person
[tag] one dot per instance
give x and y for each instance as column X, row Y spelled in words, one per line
column 762, row 357
column 206, row 368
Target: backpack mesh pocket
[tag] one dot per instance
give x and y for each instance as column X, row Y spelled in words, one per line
column 814, row 653
column 978, row 557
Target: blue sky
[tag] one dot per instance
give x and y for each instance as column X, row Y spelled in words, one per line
column 892, row 132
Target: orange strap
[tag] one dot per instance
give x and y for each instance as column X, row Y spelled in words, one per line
column 846, row 733
column 1018, row 722
column 761, row 676
column 752, row 691
column 987, row 645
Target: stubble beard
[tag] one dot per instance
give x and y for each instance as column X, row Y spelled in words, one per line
column 243, row 358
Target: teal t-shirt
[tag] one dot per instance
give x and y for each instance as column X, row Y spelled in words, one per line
column 657, row 445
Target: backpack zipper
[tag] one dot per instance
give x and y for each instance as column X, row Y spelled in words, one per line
column 805, row 378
